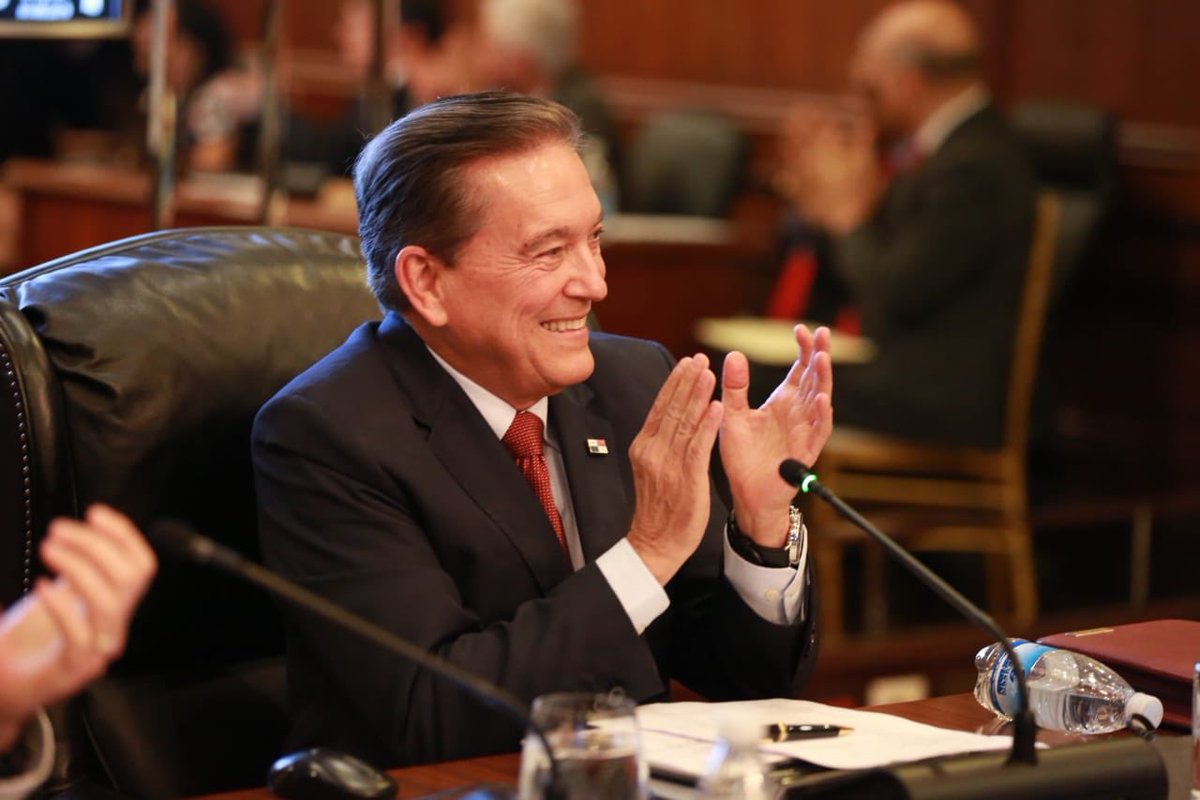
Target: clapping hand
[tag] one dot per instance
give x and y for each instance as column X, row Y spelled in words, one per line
column 794, row 422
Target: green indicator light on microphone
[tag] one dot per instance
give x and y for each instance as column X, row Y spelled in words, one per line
column 808, row 481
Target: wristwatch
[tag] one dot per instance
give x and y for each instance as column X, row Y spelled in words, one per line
column 752, row 551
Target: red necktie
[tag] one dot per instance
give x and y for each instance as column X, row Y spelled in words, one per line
column 793, row 288
column 524, row 440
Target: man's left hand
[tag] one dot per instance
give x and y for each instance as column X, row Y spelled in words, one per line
column 794, row 422
column 830, row 169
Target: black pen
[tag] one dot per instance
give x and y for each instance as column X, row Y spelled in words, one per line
column 782, row 732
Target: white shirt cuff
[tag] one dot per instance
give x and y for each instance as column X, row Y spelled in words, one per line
column 635, row 586
column 775, row 593
column 39, row 736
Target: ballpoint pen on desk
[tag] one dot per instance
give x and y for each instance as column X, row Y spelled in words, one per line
column 782, row 732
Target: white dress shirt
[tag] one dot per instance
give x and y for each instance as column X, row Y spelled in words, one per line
column 775, row 594
column 938, row 126
column 39, row 738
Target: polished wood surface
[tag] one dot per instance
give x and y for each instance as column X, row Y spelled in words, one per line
column 957, row 712
column 961, row 712
column 65, row 207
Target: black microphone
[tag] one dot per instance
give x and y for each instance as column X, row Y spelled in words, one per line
column 1112, row 768
column 1024, row 748
column 178, row 540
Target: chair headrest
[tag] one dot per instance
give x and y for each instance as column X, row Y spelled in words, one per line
column 685, row 162
column 1071, row 145
column 165, row 340
column 165, row 346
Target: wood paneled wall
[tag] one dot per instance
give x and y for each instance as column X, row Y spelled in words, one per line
column 795, row 44
column 1136, row 304
column 1138, row 58
column 1132, row 56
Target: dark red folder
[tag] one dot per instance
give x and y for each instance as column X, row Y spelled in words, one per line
column 1156, row 657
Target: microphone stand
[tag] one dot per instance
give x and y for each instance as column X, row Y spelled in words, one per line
column 270, row 119
column 1024, row 749
column 1112, row 768
column 161, row 118
column 176, row 539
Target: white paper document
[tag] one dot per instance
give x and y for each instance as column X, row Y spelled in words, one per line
column 678, row 737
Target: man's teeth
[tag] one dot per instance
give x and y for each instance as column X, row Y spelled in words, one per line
column 559, row 326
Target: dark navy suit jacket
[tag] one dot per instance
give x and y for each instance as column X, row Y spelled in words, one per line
column 381, row 487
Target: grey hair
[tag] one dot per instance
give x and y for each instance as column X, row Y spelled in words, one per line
column 546, row 29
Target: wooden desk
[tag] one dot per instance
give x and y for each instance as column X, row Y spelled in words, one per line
column 771, row 342
column 959, row 712
column 68, row 207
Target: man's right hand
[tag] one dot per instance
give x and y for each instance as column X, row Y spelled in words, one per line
column 670, row 459
column 65, row 632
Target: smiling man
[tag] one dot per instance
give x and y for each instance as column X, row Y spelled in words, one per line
column 482, row 475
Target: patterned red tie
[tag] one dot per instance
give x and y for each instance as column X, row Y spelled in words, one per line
column 524, row 440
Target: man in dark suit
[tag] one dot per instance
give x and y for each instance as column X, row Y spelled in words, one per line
column 930, row 240
column 483, row 476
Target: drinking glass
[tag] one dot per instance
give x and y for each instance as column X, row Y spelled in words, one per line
column 597, row 749
column 1196, row 732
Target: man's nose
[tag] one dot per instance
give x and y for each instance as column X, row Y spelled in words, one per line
column 588, row 280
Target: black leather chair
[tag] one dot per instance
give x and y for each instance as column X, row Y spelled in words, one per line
column 1074, row 152
column 685, row 162
column 133, row 372
column 1073, row 148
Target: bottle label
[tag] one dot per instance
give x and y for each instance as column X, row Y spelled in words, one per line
column 1003, row 687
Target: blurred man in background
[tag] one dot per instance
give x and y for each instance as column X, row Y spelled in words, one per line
column 928, row 199
column 529, row 46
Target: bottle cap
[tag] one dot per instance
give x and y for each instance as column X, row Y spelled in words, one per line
column 1147, row 705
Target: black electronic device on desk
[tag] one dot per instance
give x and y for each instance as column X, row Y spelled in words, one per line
column 322, row 774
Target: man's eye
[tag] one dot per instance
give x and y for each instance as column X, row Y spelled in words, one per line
column 553, row 252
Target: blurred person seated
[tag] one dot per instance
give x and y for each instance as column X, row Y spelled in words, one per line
column 86, row 100
column 427, row 48
column 927, row 198
column 529, row 46
column 198, row 49
column 437, row 48
column 65, row 633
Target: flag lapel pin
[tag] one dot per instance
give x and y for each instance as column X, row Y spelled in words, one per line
column 597, row 447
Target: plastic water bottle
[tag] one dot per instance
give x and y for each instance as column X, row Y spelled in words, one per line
column 735, row 769
column 1067, row 691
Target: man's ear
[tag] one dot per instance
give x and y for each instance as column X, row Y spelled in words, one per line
column 419, row 274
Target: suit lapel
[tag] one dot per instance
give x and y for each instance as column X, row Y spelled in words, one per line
column 602, row 505
column 462, row 441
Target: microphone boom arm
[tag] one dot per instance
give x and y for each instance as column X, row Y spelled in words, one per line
column 1024, row 750
column 180, row 540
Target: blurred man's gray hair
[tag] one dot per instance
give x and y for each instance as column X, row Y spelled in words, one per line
column 546, row 29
